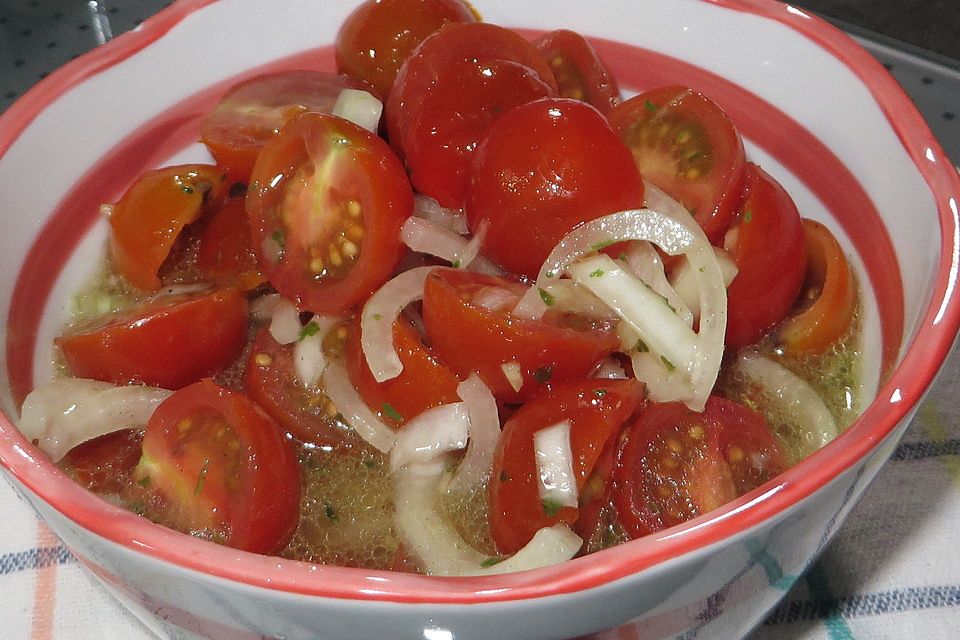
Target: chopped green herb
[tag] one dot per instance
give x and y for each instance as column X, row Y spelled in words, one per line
column 377, row 316
column 649, row 106
column 551, row 507
column 139, row 507
column 309, row 329
column 622, row 257
column 369, row 463
column 597, row 246
column 747, row 215
column 702, row 269
column 504, row 476
column 641, row 346
column 330, row 512
column 390, row 412
column 670, row 366
column 550, row 274
column 599, row 392
column 277, row 236
column 694, row 155
column 455, row 264
column 201, row 478
column 653, row 506
column 548, row 299
column 598, row 273
column 144, row 481
column 254, row 185
column 489, row 562
column 543, row 374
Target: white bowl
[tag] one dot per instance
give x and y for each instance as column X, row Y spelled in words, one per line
column 815, row 110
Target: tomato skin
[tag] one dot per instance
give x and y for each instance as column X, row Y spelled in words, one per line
column 253, row 111
column 269, row 379
column 675, row 464
column 222, row 468
column 770, row 254
column 145, row 223
column 169, row 341
column 224, row 255
column 379, row 36
column 684, row 144
column 829, row 298
column 456, row 111
column 326, row 204
column 425, row 382
column 580, row 73
column 542, row 169
column 468, row 337
column 105, row 465
column 595, row 408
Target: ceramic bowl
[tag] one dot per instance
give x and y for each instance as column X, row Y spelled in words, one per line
column 814, row 109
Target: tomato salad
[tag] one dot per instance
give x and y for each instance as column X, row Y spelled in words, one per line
column 515, row 319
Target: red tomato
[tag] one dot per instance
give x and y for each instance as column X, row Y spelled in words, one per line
column 105, row 465
column 424, row 382
column 169, row 341
column 224, row 255
column 452, row 43
column 542, row 169
column 466, row 96
column 326, row 204
column 579, row 71
column 829, row 298
column 221, row 469
column 595, row 408
column 675, row 464
column 469, row 327
column 685, row 144
column 254, row 111
column 379, row 35
column 306, row 414
column 768, row 248
column 149, row 217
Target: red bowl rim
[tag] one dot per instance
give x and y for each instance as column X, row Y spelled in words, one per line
column 908, row 383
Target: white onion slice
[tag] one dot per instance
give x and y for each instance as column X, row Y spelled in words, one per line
column 684, row 280
column 354, row 410
column 793, row 396
column 378, row 316
column 645, row 263
column 285, row 325
column 568, row 295
column 262, row 308
column 69, row 411
column 484, row 433
column 556, row 480
column 609, row 369
column 513, row 374
column 429, row 209
column 359, row 107
column 431, row 434
column 309, row 362
column 424, row 236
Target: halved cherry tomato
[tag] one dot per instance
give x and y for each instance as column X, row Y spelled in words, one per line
column 306, row 414
column 676, row 464
column 169, row 341
column 452, row 43
column 326, row 205
column 767, row 244
column 828, row 299
column 467, row 319
column 684, row 144
column 424, row 382
column 221, row 469
column 579, row 71
column 457, row 109
column 145, row 223
column 105, row 465
column 542, row 169
column 596, row 409
column 224, row 255
column 254, row 111
column 379, row 35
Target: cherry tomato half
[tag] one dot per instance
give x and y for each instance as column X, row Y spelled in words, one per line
column 542, row 169
column 684, row 144
column 148, row 219
column 424, row 383
column 221, row 469
column 675, row 464
column 169, row 341
column 224, row 255
column 596, row 409
column 379, row 35
column 254, row 111
column 579, row 71
column 105, row 465
column 829, row 295
column 469, row 333
column 326, row 204
column 768, row 248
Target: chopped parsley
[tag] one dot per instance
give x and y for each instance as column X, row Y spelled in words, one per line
column 599, row 392
column 550, row 274
column 201, row 478
column 597, row 246
column 669, row 365
column 489, row 562
column 369, row 462
column 598, row 273
column 649, row 106
column 548, row 299
column 144, row 481
column 278, row 237
column 641, row 346
column 747, row 215
column 455, row 264
column 309, row 329
column 391, row 412
column 330, row 512
column 543, row 374
column 377, row 316
column 551, row 507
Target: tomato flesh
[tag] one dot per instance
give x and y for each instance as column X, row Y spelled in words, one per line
column 580, row 73
column 105, row 465
column 469, row 336
column 596, row 409
column 169, row 341
column 542, row 169
column 220, row 469
column 224, row 255
column 326, row 205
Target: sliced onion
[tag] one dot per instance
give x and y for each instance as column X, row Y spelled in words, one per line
column 493, row 298
column 556, row 480
column 354, row 410
column 793, row 396
column 484, row 433
column 431, row 434
column 610, row 369
column 569, row 296
column 645, row 263
column 285, row 325
column 309, row 362
column 69, row 411
column 378, row 316
column 471, row 251
column 429, row 209
column 513, row 374
column 359, row 107
column 424, row 236
column 262, row 308
column 684, row 280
